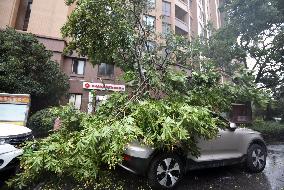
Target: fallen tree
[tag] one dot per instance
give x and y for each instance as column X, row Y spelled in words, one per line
column 167, row 109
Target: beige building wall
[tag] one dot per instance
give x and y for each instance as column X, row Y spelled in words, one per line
column 188, row 17
column 215, row 13
column 194, row 13
column 47, row 17
column 8, row 12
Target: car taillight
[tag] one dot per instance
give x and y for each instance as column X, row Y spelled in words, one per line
column 126, row 157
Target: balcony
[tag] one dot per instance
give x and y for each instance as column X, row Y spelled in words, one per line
column 183, row 4
column 182, row 19
column 182, row 25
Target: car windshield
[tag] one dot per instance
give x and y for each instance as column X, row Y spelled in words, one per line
column 15, row 113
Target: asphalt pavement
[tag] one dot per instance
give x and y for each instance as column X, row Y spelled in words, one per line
column 227, row 178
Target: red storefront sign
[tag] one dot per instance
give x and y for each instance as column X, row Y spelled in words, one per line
column 101, row 86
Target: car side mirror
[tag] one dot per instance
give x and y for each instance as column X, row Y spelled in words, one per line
column 233, row 126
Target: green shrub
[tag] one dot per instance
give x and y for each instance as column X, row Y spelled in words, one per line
column 272, row 131
column 41, row 122
column 267, row 127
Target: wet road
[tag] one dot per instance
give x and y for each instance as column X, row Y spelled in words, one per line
column 225, row 178
column 228, row 178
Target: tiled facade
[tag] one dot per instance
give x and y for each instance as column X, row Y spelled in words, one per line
column 44, row 18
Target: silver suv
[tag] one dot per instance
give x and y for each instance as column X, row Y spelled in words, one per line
column 233, row 145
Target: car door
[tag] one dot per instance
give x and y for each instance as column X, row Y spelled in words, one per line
column 225, row 145
column 205, row 150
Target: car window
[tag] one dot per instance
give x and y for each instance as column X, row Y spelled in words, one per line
column 223, row 123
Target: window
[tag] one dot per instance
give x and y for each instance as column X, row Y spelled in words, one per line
column 166, row 28
column 152, row 3
column 191, row 23
column 190, row 3
column 27, row 15
column 166, row 8
column 106, row 70
column 149, row 21
column 200, row 13
column 201, row 29
column 100, row 100
column 78, row 66
column 76, row 100
column 203, row 32
column 166, row 52
column 150, row 45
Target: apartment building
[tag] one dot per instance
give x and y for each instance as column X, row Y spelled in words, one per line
column 186, row 17
column 45, row 18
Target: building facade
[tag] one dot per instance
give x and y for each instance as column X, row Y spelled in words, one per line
column 186, row 17
column 45, row 19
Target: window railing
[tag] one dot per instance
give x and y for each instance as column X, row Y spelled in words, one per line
column 181, row 21
column 184, row 2
column 182, row 24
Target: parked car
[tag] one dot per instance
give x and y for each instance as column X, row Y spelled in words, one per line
column 11, row 136
column 9, row 156
column 164, row 170
column 14, row 134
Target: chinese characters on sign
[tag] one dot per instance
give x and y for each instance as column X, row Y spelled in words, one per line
column 14, row 99
column 101, row 86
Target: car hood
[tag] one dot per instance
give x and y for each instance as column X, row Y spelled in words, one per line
column 4, row 148
column 247, row 130
column 7, row 130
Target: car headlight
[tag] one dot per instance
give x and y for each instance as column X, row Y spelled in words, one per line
column 2, row 141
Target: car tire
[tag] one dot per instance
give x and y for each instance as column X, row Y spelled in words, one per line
column 165, row 171
column 256, row 158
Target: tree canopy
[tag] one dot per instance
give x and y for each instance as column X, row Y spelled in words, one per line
column 254, row 36
column 26, row 67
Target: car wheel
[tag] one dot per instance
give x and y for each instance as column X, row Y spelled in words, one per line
column 256, row 158
column 165, row 171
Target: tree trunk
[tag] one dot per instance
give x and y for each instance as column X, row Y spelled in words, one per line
column 269, row 114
